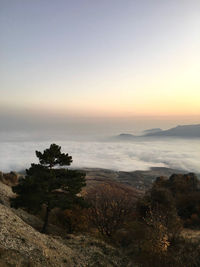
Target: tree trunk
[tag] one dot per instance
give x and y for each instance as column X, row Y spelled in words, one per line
column 69, row 225
column 44, row 228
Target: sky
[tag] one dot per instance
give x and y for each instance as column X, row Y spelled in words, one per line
column 108, row 58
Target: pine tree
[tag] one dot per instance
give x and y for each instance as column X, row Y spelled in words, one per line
column 48, row 185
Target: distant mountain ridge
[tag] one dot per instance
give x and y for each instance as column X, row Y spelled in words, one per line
column 187, row 131
column 154, row 130
column 125, row 136
column 180, row 131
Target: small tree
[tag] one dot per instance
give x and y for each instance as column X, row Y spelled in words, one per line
column 110, row 206
column 158, row 205
column 47, row 184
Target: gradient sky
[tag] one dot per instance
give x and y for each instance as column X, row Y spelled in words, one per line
column 100, row 57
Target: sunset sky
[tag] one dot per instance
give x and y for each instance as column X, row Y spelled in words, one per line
column 100, row 57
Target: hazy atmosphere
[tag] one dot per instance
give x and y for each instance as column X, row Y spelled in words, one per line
column 79, row 72
column 137, row 155
column 100, row 133
column 100, row 58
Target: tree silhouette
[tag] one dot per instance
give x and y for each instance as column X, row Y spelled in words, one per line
column 110, row 207
column 47, row 184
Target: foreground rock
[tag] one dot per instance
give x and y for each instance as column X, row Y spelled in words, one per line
column 5, row 194
column 10, row 179
column 22, row 245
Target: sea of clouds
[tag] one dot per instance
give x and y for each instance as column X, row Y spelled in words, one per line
column 125, row 156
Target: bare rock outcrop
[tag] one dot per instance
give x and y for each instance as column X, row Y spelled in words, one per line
column 5, row 194
column 10, row 178
column 22, row 245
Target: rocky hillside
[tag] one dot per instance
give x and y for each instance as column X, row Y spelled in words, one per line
column 137, row 181
column 22, row 245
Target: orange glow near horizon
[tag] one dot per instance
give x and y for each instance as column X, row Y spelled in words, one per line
column 146, row 64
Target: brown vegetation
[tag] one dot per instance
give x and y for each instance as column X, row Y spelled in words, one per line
column 148, row 227
column 110, row 207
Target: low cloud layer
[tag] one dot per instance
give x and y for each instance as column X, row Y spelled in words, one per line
column 137, row 155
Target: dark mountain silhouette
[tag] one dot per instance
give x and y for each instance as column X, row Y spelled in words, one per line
column 179, row 131
column 124, row 137
column 187, row 131
column 151, row 131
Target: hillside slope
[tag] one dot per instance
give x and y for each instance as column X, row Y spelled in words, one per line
column 21, row 245
column 137, row 181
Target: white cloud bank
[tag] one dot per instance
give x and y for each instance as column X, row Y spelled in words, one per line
column 136, row 155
